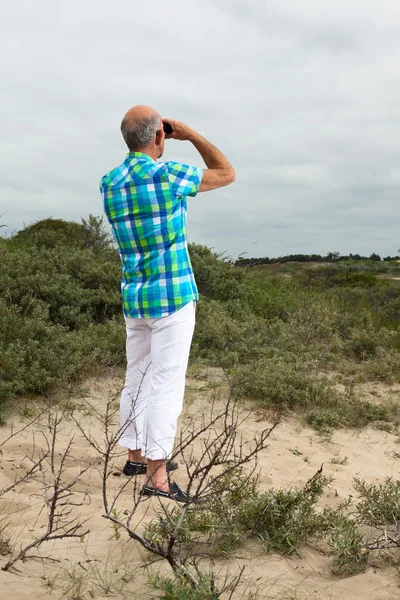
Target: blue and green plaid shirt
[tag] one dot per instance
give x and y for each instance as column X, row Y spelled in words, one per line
column 145, row 203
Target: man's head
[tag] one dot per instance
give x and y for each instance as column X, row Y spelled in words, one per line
column 142, row 130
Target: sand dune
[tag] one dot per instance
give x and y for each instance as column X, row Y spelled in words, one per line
column 100, row 561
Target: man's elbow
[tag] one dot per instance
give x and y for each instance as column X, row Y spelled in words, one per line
column 217, row 178
column 230, row 176
column 227, row 177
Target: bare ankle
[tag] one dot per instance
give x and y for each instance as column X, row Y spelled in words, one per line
column 157, row 474
column 136, row 456
column 159, row 484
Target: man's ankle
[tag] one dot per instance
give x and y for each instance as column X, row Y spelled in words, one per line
column 136, row 456
column 157, row 474
column 159, row 484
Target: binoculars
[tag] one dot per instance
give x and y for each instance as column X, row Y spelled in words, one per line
column 167, row 128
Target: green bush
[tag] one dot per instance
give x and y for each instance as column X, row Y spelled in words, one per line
column 222, row 339
column 60, row 308
column 335, row 276
column 379, row 504
column 77, row 286
column 179, row 588
column 346, row 542
column 350, row 412
column 281, row 520
column 50, row 233
column 276, row 330
column 384, row 367
column 36, row 354
column 285, row 380
column 289, row 381
column 160, row 530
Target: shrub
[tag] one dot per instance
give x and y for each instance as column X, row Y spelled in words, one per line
column 180, row 589
column 49, row 233
column 346, row 542
column 77, row 286
column 60, row 310
column 222, row 339
column 159, row 530
column 216, row 279
column 276, row 329
column 281, row 520
column 334, row 276
column 35, row 353
column 288, row 381
column 379, row 504
column 284, row 380
column 384, row 367
column 289, row 518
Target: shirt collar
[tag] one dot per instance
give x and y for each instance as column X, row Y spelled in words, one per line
column 139, row 155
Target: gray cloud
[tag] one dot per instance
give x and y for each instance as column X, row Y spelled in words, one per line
column 303, row 96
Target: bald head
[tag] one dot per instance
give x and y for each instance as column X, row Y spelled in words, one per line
column 141, row 111
column 139, row 127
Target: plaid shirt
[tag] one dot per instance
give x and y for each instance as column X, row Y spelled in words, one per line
column 145, row 203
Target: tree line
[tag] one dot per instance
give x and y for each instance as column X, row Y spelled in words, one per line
column 330, row 257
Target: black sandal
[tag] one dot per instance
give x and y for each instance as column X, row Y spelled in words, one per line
column 136, row 468
column 176, row 493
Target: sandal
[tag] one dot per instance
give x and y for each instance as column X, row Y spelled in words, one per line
column 136, row 468
column 176, row 493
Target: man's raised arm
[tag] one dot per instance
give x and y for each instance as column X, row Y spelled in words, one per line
column 220, row 171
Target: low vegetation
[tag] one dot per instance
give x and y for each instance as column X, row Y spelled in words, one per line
column 287, row 334
column 359, row 531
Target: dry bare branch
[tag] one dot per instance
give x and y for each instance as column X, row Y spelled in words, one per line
column 58, row 495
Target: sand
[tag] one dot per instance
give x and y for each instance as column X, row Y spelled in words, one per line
column 100, row 562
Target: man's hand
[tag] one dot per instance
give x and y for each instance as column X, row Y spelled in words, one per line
column 220, row 171
column 181, row 131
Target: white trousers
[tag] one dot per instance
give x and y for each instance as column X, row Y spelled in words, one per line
column 157, row 353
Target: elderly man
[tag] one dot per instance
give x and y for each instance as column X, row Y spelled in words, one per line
column 145, row 203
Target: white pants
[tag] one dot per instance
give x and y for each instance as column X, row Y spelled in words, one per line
column 157, row 353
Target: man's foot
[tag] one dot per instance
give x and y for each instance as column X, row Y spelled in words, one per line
column 176, row 493
column 137, row 468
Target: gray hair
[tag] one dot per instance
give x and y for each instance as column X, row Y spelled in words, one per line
column 142, row 133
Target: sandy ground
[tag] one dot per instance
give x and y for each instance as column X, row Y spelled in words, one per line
column 100, row 564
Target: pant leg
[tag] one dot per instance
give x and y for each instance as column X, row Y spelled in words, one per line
column 170, row 346
column 135, row 394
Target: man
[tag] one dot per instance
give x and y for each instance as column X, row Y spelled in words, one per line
column 145, row 203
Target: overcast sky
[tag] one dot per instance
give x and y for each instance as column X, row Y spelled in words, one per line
column 302, row 95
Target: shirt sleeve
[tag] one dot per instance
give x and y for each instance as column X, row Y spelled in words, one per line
column 184, row 179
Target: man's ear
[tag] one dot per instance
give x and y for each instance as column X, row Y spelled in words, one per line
column 159, row 137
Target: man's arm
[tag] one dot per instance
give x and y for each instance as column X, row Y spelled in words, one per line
column 220, row 171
